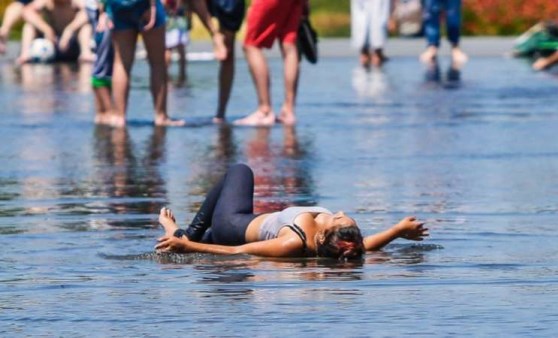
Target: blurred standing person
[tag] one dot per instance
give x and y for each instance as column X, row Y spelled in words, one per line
column 101, row 77
column 432, row 13
column 369, row 29
column 12, row 15
column 131, row 18
column 177, row 34
column 64, row 23
column 267, row 21
column 230, row 14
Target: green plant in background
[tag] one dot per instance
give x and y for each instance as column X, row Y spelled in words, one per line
column 331, row 18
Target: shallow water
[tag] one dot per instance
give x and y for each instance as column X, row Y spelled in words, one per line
column 477, row 158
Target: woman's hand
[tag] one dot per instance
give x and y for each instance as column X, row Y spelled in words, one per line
column 150, row 16
column 172, row 244
column 412, row 229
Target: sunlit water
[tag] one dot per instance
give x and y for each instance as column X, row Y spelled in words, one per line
column 476, row 158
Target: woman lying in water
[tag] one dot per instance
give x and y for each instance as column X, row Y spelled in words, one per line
column 226, row 224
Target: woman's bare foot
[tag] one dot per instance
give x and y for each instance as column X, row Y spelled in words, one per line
column 167, row 220
column 429, row 54
column 257, row 119
column 168, row 122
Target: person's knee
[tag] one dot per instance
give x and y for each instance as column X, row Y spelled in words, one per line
column 239, row 169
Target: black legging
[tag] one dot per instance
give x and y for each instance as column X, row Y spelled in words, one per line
column 228, row 209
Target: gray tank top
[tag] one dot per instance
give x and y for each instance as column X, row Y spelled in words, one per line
column 278, row 220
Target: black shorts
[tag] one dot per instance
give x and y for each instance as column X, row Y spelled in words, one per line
column 229, row 13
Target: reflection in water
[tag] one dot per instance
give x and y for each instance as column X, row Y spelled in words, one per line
column 281, row 172
column 433, row 75
column 282, row 175
column 132, row 184
column 47, row 85
column 370, row 83
column 213, row 163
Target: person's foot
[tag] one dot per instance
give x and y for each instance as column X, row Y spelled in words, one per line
column 458, row 58
column 116, row 121
column 168, row 122
column 103, row 119
column 365, row 60
column 167, row 220
column 287, row 117
column 429, row 54
column 257, row 119
column 376, row 60
column 218, row 120
column 22, row 59
column 219, row 48
column 87, row 58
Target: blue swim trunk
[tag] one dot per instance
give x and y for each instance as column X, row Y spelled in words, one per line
column 129, row 14
column 229, row 13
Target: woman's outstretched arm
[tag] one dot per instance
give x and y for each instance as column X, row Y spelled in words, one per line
column 409, row 228
column 284, row 246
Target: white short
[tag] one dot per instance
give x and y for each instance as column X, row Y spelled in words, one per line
column 176, row 37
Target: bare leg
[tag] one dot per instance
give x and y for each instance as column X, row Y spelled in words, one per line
column 103, row 106
column 154, row 41
column 124, row 43
column 167, row 220
column 27, row 36
column 168, row 60
column 84, row 39
column 12, row 15
column 226, row 76
column 291, row 65
column 257, row 63
column 181, row 49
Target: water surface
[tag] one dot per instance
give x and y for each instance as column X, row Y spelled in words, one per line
column 473, row 153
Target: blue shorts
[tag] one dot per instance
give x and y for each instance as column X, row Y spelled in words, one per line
column 102, row 68
column 229, row 13
column 131, row 17
column 24, row 2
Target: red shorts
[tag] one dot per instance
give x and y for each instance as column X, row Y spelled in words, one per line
column 268, row 20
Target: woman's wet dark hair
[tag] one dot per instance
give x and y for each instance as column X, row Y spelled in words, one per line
column 342, row 242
